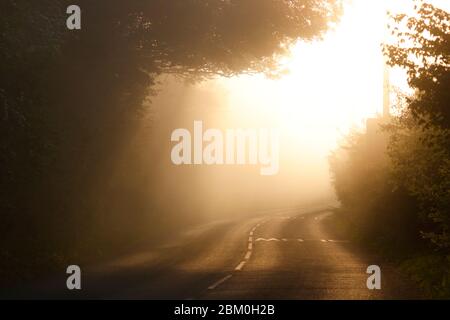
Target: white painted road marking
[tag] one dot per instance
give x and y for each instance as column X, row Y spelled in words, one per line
column 250, row 247
column 216, row 284
column 339, row 241
column 269, row 239
column 240, row 266
column 301, row 240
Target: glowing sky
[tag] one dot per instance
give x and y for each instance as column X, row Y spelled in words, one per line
column 333, row 85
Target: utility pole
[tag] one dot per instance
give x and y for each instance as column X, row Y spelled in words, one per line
column 386, row 93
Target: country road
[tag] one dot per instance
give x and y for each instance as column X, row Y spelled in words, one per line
column 287, row 255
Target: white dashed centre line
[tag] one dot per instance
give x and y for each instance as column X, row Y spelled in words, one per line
column 240, row 266
column 212, row 287
column 250, row 247
column 242, row 263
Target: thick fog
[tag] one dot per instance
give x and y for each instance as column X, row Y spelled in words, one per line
column 224, row 190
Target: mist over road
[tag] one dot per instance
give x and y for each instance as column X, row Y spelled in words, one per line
column 282, row 255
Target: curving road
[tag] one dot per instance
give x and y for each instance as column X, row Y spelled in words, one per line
column 287, row 255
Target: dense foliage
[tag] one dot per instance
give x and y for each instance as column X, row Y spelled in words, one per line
column 395, row 194
column 69, row 101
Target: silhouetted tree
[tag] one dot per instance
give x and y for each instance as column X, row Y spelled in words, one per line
column 70, row 99
column 397, row 201
column 423, row 49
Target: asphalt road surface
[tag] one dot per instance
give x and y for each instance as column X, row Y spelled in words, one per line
column 287, row 255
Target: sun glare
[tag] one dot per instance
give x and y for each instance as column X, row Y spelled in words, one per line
column 332, row 84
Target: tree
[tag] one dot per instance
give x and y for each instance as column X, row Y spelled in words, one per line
column 70, row 101
column 402, row 205
column 420, row 144
column 423, row 49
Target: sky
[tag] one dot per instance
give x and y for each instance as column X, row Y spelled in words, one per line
column 333, row 85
